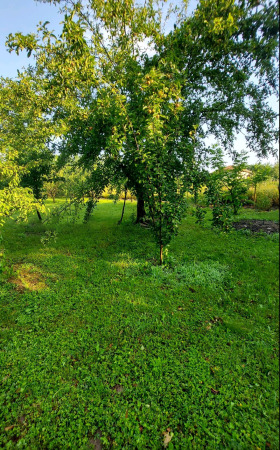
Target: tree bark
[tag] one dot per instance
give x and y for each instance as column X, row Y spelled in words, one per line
column 125, row 193
column 161, row 255
column 140, row 208
column 255, row 195
column 39, row 215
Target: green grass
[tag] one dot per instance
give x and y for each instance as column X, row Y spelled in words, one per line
column 101, row 344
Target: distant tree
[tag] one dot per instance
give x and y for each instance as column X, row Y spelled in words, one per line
column 235, row 184
column 226, row 188
column 260, row 173
column 275, row 173
column 53, row 186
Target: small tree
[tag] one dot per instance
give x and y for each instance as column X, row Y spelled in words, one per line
column 235, row 184
column 260, row 173
column 226, row 188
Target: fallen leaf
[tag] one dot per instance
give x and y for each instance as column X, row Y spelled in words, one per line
column 214, row 391
column 118, row 388
column 167, row 438
column 9, row 428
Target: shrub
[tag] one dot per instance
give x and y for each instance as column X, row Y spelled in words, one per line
column 264, row 201
column 267, row 195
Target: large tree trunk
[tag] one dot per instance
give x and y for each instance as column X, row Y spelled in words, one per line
column 140, row 208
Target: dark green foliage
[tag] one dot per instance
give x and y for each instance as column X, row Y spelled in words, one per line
column 38, row 168
column 90, row 205
column 200, row 213
column 222, row 215
column 226, row 189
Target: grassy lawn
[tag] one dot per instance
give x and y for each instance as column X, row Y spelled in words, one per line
column 102, row 348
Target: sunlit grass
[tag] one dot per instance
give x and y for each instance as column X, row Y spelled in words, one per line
column 113, row 345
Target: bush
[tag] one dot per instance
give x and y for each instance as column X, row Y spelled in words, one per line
column 264, row 201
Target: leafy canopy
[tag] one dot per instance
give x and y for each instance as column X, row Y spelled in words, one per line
column 136, row 103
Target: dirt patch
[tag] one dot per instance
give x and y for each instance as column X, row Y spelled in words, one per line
column 256, row 226
column 27, row 277
column 95, row 441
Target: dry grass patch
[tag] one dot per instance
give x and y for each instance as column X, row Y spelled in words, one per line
column 27, row 276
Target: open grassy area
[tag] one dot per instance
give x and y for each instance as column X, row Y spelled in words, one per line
column 102, row 348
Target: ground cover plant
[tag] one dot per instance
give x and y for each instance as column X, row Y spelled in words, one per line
column 102, row 348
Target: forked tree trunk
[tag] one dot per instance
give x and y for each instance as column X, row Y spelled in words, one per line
column 140, row 208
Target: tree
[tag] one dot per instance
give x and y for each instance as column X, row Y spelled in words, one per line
column 16, row 199
column 25, row 134
column 144, row 117
column 260, row 173
column 235, row 184
column 225, row 188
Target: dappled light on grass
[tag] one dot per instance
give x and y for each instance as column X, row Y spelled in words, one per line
column 126, row 262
